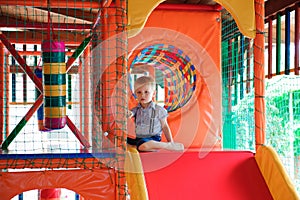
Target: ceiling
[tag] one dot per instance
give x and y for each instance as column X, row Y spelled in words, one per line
column 73, row 20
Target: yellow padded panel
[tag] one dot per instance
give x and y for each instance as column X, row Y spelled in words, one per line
column 274, row 174
column 135, row 175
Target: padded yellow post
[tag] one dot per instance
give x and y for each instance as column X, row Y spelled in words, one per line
column 135, row 175
column 275, row 175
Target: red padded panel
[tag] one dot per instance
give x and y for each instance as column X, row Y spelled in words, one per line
column 222, row 175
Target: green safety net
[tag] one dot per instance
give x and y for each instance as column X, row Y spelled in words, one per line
column 282, row 101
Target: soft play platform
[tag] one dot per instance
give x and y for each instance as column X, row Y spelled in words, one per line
column 217, row 175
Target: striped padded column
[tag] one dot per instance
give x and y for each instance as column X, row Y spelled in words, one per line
column 54, row 82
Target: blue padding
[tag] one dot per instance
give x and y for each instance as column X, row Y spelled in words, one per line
column 56, row 155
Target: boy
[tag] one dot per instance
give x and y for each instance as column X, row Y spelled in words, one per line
column 150, row 120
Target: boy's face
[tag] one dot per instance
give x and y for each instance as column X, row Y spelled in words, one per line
column 145, row 94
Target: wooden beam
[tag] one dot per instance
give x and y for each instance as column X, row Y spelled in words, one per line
column 35, row 25
column 274, row 6
column 30, row 37
column 87, row 15
column 57, row 3
column 37, row 53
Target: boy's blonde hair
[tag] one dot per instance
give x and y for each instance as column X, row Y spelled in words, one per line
column 144, row 80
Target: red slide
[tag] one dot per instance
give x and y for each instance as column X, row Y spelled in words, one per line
column 217, row 175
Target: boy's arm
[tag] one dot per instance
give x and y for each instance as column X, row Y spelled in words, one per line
column 166, row 129
column 129, row 114
column 130, row 125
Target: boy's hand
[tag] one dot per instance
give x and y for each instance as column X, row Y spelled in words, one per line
column 129, row 114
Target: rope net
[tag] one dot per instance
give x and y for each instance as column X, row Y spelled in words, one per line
column 63, row 84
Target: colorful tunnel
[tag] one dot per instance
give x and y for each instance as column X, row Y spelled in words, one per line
column 173, row 71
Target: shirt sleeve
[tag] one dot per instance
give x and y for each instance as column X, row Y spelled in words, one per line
column 161, row 112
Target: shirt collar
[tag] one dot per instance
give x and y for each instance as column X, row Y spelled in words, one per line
column 152, row 105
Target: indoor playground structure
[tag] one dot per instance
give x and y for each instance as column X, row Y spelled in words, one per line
column 227, row 72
